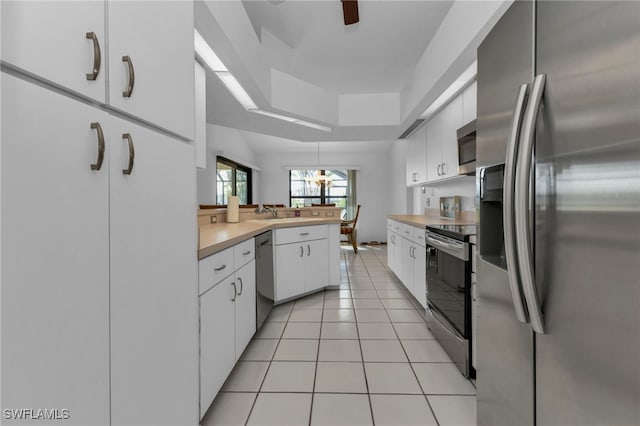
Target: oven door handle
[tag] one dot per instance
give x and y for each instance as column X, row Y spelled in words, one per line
column 440, row 243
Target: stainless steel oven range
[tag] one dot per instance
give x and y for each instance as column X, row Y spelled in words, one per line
column 449, row 290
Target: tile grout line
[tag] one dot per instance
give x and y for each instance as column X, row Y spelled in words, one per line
column 412, row 369
column 364, row 370
column 315, row 373
column 268, row 368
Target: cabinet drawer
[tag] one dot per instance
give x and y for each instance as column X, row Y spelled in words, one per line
column 407, row 231
column 244, row 253
column 419, row 236
column 390, row 224
column 301, row 233
column 214, row 269
column 397, row 227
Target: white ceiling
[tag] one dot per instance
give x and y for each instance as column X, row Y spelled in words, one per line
column 265, row 144
column 399, row 48
column 377, row 55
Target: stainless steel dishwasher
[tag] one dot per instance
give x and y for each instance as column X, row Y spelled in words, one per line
column 264, row 277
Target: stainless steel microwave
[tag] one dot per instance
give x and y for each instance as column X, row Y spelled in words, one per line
column 467, row 149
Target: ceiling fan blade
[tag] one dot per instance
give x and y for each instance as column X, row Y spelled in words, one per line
column 350, row 10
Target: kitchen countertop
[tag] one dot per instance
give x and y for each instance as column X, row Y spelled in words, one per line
column 422, row 220
column 219, row 236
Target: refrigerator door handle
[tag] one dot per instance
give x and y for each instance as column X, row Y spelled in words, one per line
column 508, row 207
column 522, row 194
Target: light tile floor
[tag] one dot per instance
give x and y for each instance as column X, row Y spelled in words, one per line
column 358, row 355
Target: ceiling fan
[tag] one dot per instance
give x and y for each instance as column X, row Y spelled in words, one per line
column 350, row 11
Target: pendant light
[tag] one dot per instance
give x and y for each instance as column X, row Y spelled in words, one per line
column 319, row 179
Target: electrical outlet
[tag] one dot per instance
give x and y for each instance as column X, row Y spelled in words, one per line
column 315, row 213
column 214, row 219
column 329, row 214
column 296, row 213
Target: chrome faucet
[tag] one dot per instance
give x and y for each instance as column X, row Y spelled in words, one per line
column 264, row 209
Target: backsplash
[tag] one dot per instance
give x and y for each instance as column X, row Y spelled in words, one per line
column 427, row 197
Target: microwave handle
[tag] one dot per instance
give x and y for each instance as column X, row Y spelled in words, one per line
column 483, row 177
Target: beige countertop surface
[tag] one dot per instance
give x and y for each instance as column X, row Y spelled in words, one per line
column 422, row 220
column 219, row 236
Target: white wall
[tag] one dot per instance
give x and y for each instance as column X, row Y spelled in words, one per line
column 228, row 143
column 465, row 188
column 397, row 179
column 372, row 183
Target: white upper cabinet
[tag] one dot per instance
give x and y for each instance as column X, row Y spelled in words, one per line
column 442, row 141
column 62, row 42
column 417, row 157
column 146, row 46
column 151, row 62
column 452, row 121
column 434, row 148
column 469, row 102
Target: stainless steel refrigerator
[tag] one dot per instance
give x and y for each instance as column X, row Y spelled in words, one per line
column 558, row 140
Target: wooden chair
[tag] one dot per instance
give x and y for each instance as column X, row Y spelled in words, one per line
column 323, row 205
column 348, row 228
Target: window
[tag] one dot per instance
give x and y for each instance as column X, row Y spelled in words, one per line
column 341, row 191
column 232, row 179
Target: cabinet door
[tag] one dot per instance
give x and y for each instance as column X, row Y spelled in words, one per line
column 469, row 103
column 407, row 264
column 154, row 289
column 289, row 274
column 245, row 306
column 390, row 251
column 49, row 39
column 334, row 254
column 434, row 148
column 420, row 275
column 451, row 122
column 217, row 340
column 157, row 37
column 55, row 255
column 316, row 265
column 417, row 157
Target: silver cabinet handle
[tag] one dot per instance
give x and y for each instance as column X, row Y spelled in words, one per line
column 97, row 57
column 246, row 252
column 219, row 268
column 308, row 250
column 439, row 168
column 98, row 128
column 301, row 251
column 132, row 154
column 241, row 286
column 303, row 234
column 508, row 207
column 442, row 168
column 132, row 77
column 235, row 290
column 522, row 194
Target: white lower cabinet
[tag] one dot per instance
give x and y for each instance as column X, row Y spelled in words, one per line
column 245, row 306
column 217, row 340
column 406, row 276
column 406, row 256
column 227, row 316
column 99, row 306
column 301, row 265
